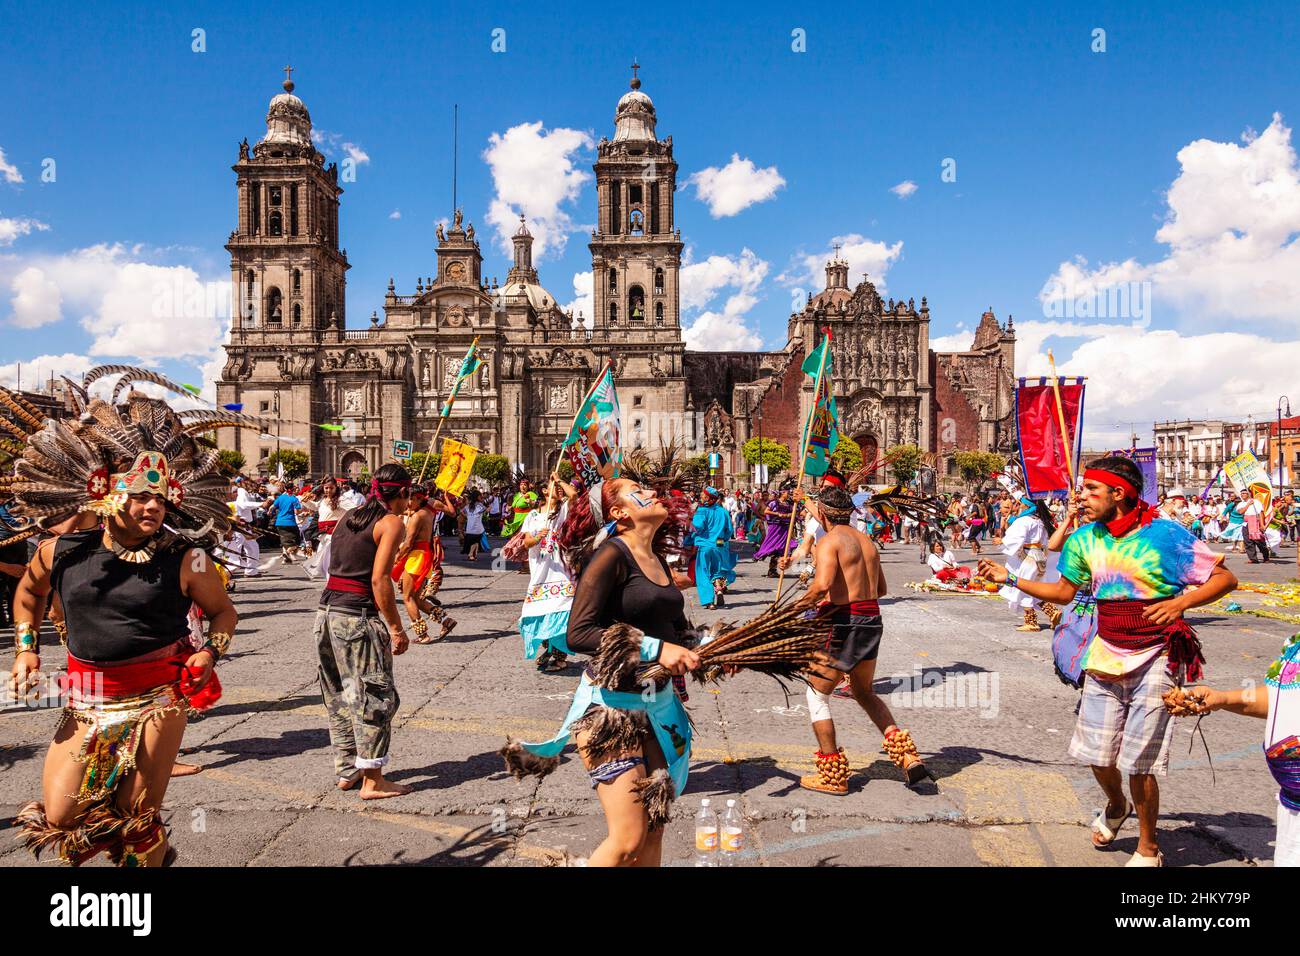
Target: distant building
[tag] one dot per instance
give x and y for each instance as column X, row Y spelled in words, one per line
column 292, row 357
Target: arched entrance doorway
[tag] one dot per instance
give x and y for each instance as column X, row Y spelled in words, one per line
column 870, row 451
column 352, row 465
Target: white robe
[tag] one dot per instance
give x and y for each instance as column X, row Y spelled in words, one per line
column 1024, row 562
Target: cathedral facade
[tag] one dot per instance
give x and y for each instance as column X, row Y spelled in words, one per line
column 292, row 357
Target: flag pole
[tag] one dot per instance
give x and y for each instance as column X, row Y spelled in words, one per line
column 1060, row 418
column 803, row 458
column 442, row 418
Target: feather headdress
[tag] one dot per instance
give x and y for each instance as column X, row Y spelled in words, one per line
column 90, row 463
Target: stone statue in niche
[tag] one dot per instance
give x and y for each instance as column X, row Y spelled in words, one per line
column 352, row 401
column 559, row 399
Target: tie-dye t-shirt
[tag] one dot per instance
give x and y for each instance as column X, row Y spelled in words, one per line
column 1158, row 561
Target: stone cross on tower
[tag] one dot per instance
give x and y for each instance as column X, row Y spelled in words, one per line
column 288, row 79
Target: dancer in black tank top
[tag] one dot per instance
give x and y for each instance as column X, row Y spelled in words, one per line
column 122, row 590
column 358, row 632
column 627, row 608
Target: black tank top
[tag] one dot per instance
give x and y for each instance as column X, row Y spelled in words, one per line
column 352, row 557
column 114, row 609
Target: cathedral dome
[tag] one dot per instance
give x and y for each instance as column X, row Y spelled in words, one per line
column 541, row 300
column 634, row 119
column 287, row 119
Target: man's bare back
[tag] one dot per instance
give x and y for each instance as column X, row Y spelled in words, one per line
column 848, row 567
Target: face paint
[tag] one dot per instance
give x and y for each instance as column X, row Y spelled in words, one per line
column 641, row 502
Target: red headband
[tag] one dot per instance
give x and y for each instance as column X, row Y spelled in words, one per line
column 376, row 484
column 834, row 481
column 1112, row 480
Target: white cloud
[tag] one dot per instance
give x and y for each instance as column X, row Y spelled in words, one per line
column 862, row 255
column 1232, row 228
column 534, row 173
column 133, row 308
column 582, row 303
column 956, row 342
column 904, row 189
column 701, row 282
column 9, row 170
column 37, row 371
column 334, row 143
column 735, row 186
column 11, row 229
column 1138, row 375
column 36, row 299
column 395, row 214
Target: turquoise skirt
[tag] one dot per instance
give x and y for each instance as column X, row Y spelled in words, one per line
column 545, row 629
column 667, row 716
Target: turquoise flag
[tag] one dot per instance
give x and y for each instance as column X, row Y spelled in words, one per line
column 592, row 445
column 821, row 431
column 468, row 367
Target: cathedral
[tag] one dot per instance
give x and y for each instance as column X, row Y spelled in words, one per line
column 291, row 355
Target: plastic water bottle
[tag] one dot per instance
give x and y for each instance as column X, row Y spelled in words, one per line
column 706, row 835
column 733, row 835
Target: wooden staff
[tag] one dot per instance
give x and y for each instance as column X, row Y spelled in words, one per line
column 803, row 462
column 442, row 418
column 1060, row 418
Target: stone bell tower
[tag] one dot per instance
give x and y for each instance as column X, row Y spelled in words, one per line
column 286, row 267
column 635, row 248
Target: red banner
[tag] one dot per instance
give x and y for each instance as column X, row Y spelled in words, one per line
column 1042, row 452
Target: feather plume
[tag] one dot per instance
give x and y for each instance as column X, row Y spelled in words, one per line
column 611, row 732
column 26, row 414
column 783, row 642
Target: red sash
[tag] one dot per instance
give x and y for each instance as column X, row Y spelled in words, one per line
column 129, row 680
column 1121, row 623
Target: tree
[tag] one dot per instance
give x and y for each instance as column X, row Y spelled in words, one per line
column 765, row 451
column 416, row 462
column 906, row 462
column 847, row 456
column 231, row 460
column 977, row 466
column 295, row 462
column 492, row 468
column 696, row 468
column 565, row 470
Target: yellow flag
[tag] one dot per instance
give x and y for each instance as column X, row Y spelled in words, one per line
column 457, row 462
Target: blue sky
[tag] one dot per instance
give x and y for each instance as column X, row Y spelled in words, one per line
column 1060, row 152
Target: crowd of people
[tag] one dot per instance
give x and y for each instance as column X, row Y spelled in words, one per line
column 132, row 540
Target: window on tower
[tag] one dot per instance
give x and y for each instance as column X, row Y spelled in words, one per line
column 293, row 210
column 615, row 208
column 613, row 279
column 634, row 194
column 249, row 278
column 297, row 280
column 659, row 282
column 273, row 224
column 654, row 207
column 274, row 305
column 659, row 313
column 297, row 313
column 275, row 195
column 636, row 304
column 636, row 223
column 613, row 313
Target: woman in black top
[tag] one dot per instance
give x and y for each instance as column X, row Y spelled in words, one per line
column 634, row 740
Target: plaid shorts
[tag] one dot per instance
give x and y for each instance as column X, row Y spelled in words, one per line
column 1123, row 722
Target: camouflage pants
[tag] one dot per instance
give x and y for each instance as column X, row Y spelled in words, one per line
column 356, row 681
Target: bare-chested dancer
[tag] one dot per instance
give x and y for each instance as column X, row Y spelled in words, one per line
column 850, row 578
column 421, row 564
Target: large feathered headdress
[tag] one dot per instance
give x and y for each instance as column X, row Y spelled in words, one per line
column 111, row 450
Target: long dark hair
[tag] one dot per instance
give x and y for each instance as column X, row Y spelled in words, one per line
column 390, row 482
column 577, row 535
